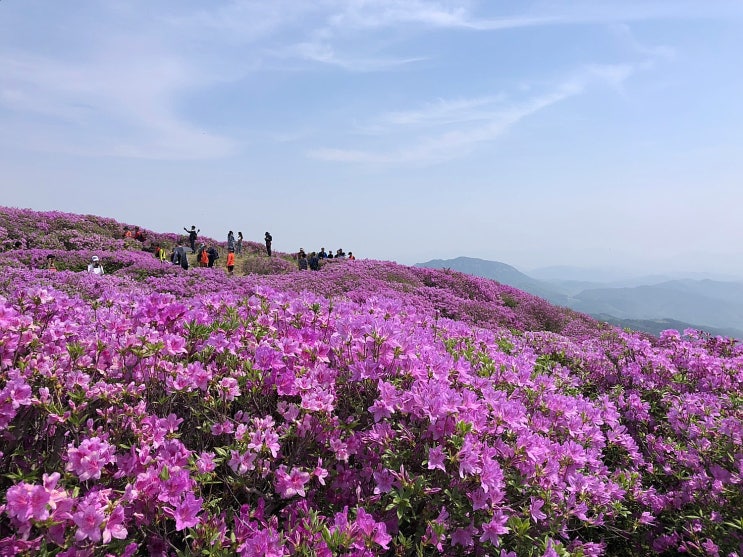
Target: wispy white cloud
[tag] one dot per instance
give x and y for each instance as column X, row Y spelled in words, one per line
column 323, row 52
column 111, row 103
column 623, row 32
column 444, row 111
column 360, row 14
column 462, row 123
column 447, row 145
column 120, row 98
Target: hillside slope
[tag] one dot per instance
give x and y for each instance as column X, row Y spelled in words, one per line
column 366, row 409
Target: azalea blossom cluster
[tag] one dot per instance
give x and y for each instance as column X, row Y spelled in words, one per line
column 367, row 409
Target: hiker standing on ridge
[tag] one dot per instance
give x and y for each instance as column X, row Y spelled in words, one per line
column 231, row 261
column 269, row 239
column 239, row 246
column 192, row 235
column 230, row 241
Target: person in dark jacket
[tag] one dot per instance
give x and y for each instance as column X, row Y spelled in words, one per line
column 269, row 239
column 314, row 262
column 213, row 255
column 231, row 241
column 302, row 260
column 192, row 235
column 179, row 257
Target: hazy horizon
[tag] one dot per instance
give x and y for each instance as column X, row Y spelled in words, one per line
column 599, row 134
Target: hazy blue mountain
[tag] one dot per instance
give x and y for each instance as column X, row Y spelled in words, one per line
column 651, row 303
column 501, row 272
column 571, row 273
column 685, row 302
column 656, row 326
column 619, row 277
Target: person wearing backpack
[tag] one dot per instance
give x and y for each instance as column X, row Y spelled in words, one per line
column 179, row 257
column 212, row 255
column 193, row 234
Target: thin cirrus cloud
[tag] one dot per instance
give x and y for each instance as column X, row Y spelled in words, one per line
column 112, row 105
column 475, row 121
column 325, row 53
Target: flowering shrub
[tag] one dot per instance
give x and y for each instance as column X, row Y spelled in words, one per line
column 340, row 412
column 267, row 266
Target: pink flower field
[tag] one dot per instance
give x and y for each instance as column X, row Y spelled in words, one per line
column 365, row 409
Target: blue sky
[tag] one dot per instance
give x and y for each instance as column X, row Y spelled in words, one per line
column 591, row 133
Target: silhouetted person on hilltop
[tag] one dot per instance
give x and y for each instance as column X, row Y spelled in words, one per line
column 269, row 239
column 239, row 245
column 192, row 235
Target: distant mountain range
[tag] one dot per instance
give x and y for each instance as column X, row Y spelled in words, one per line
column 650, row 304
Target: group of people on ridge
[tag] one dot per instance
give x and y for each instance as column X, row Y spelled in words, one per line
column 206, row 256
column 314, row 260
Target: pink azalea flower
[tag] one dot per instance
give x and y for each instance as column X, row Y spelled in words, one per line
column 88, row 518
column 205, row 462
column 19, row 502
column 115, row 526
column 436, row 458
column 291, row 484
column 491, row 531
column 186, row 512
column 535, row 509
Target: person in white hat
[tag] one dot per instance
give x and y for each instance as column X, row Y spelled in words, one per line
column 95, row 266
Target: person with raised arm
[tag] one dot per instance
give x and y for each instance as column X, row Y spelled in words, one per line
column 193, row 234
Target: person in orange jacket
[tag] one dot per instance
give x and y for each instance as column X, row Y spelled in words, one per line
column 231, row 261
column 202, row 256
